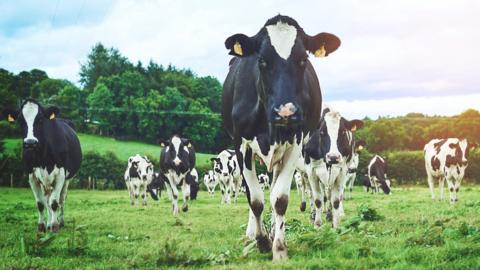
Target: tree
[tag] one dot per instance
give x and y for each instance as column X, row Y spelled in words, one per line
column 100, row 105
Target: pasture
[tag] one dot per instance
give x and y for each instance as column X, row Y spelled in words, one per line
column 402, row 231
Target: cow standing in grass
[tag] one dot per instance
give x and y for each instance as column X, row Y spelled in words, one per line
column 177, row 159
column 227, row 171
column 157, row 185
column 210, row 181
column 271, row 102
column 352, row 169
column 138, row 176
column 327, row 156
column 377, row 173
column 447, row 159
column 51, row 156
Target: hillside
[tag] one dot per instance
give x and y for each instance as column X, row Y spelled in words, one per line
column 123, row 149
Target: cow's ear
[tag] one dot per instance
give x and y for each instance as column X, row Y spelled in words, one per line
column 52, row 112
column 10, row 115
column 472, row 146
column 162, row 143
column 322, row 44
column 241, row 45
column 353, row 125
column 187, row 142
column 213, row 159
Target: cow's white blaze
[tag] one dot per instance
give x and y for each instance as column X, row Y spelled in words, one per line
column 176, row 141
column 282, row 37
column 332, row 120
column 30, row 111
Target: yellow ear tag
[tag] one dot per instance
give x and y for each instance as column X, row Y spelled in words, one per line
column 320, row 52
column 360, row 147
column 237, row 48
column 52, row 116
column 189, row 145
column 162, row 144
column 10, row 118
column 354, row 128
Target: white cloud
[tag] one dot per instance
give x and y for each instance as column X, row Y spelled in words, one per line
column 389, row 49
column 373, row 108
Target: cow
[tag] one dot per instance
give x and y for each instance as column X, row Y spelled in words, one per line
column 177, row 159
column 377, row 173
column 271, row 101
column 447, row 159
column 327, row 156
column 51, row 155
column 210, row 181
column 352, row 169
column 138, row 176
column 192, row 178
column 264, row 181
column 226, row 170
column 157, row 185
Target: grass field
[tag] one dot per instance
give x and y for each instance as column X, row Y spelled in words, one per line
column 414, row 233
column 123, row 149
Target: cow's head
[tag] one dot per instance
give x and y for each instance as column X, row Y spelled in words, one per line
column 222, row 165
column 280, row 51
column 176, row 151
column 32, row 118
column 336, row 137
column 157, row 184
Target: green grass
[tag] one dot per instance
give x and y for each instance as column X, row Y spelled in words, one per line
column 414, row 233
column 123, row 149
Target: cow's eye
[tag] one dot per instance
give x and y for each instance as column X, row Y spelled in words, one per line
column 262, row 64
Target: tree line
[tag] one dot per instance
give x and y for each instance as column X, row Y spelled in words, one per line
column 148, row 102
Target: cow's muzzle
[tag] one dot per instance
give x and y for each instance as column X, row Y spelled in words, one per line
column 30, row 144
column 286, row 115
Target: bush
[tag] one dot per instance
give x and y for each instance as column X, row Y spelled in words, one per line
column 407, row 167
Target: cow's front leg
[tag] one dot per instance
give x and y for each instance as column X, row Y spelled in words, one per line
column 255, row 199
column 63, row 197
column 144, row 193
column 130, row 193
column 40, row 200
column 172, row 188
column 237, row 189
column 279, row 200
column 54, row 200
column 186, row 195
column 336, row 201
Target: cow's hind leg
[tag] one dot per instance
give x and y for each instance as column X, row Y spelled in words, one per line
column 430, row 184
column 40, row 200
column 441, row 183
column 63, row 197
column 255, row 198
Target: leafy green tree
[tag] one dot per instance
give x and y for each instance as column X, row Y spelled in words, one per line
column 99, row 106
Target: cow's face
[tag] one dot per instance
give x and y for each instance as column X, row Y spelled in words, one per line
column 280, row 51
column 336, row 137
column 177, row 152
column 221, row 165
column 32, row 117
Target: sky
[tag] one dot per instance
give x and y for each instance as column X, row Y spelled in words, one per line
column 396, row 56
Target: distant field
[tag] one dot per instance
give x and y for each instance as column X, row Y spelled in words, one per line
column 123, row 149
column 414, row 233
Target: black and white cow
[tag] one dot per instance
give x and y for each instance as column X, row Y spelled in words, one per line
column 177, row 159
column 377, row 172
column 264, row 181
column 51, row 156
column 210, row 181
column 327, row 156
column 192, row 178
column 352, row 169
column 138, row 176
column 271, row 101
column 447, row 159
column 157, row 185
column 227, row 171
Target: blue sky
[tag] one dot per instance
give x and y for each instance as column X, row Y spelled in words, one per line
column 396, row 56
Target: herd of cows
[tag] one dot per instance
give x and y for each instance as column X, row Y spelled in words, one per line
column 272, row 109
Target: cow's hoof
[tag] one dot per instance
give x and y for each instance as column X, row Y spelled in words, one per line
column 303, row 206
column 55, row 227
column 185, row 208
column 41, row 228
column 279, row 252
column 264, row 243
